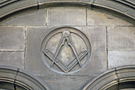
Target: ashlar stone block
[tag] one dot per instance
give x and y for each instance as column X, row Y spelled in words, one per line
column 97, row 36
column 33, row 60
column 14, row 59
column 99, row 17
column 12, row 38
column 29, row 17
column 120, row 58
column 97, row 63
column 66, row 16
column 63, row 82
column 121, row 38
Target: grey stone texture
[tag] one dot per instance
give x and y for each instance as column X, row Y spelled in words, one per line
column 46, row 1
column 126, row 8
column 7, row 75
column 75, row 81
column 27, row 18
column 35, row 64
column 97, row 37
column 120, row 58
column 14, row 59
column 111, row 38
column 33, row 43
column 102, row 81
column 33, row 60
column 13, row 78
column 12, row 38
column 114, row 79
column 121, row 38
column 66, row 16
column 99, row 17
column 63, row 82
column 121, row 46
column 16, row 6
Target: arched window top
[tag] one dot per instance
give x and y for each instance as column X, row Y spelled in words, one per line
column 125, row 7
column 120, row 78
column 17, row 78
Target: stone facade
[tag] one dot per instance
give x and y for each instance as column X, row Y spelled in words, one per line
column 111, row 36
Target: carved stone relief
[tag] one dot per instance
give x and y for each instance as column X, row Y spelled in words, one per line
column 65, row 50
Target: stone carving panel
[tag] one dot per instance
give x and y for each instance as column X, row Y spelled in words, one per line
column 65, row 50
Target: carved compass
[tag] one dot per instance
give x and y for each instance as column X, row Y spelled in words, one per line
column 65, row 50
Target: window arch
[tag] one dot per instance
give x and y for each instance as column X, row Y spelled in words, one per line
column 118, row 78
column 17, row 79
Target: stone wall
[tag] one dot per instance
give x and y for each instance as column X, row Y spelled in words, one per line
column 111, row 36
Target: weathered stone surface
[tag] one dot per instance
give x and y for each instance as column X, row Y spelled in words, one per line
column 48, row 1
column 15, row 59
column 96, row 64
column 27, row 18
column 76, row 16
column 120, row 58
column 116, row 6
column 66, row 62
column 124, row 72
column 11, row 38
column 102, row 81
column 66, row 16
column 7, row 77
column 66, row 82
column 29, row 81
column 121, row 38
column 16, row 6
column 33, row 60
column 96, row 17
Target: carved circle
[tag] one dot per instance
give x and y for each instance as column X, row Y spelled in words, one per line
column 65, row 50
